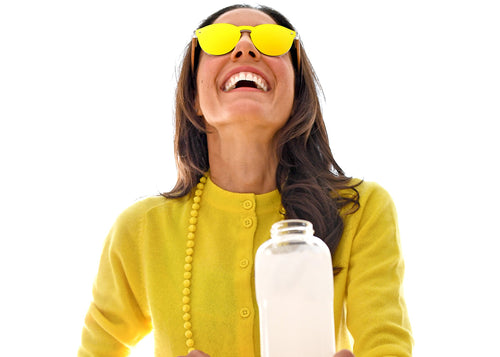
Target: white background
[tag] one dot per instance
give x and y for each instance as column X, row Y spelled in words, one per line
column 412, row 101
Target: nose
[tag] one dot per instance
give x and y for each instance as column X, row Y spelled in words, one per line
column 245, row 48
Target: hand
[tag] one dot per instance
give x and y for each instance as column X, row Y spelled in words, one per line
column 197, row 353
column 343, row 353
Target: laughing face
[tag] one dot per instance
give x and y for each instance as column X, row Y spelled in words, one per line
column 244, row 88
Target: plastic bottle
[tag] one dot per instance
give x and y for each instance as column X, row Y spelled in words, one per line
column 294, row 288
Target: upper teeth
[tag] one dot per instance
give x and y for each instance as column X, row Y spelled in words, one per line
column 245, row 76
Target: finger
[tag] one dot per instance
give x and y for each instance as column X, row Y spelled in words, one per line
column 197, row 353
column 344, row 353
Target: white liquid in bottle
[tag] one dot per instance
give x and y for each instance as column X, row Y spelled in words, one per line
column 294, row 288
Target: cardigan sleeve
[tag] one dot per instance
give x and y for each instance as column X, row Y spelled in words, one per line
column 117, row 317
column 376, row 311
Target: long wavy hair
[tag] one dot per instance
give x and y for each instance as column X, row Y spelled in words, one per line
column 309, row 179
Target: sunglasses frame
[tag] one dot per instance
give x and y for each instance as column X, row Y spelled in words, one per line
column 194, row 44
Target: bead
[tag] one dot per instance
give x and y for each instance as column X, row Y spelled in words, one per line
column 189, row 251
column 188, row 334
column 186, row 308
column 188, row 267
column 190, row 349
column 190, row 236
column 196, row 199
column 187, row 325
column 195, row 206
column 189, row 342
column 187, row 283
column 188, row 259
column 203, row 179
column 200, row 186
column 190, row 243
column 192, row 228
column 186, row 300
column 186, row 291
column 186, row 316
column 187, row 275
column 193, row 220
column 198, row 193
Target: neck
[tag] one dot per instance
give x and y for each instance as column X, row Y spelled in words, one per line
column 242, row 163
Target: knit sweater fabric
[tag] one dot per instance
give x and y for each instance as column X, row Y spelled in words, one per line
column 138, row 288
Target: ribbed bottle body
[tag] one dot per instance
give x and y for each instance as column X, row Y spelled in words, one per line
column 294, row 287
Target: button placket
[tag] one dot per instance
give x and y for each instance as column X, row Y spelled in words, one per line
column 248, row 205
column 244, row 310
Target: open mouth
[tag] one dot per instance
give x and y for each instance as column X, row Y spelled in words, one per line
column 245, row 80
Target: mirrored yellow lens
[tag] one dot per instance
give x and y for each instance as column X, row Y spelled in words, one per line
column 269, row 39
column 218, row 39
column 272, row 40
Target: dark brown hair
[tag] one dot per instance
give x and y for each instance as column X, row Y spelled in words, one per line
column 308, row 177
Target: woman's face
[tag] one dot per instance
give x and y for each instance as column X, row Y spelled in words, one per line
column 224, row 103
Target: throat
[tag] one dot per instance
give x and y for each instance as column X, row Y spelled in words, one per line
column 242, row 160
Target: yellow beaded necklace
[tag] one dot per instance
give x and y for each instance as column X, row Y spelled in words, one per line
column 188, row 262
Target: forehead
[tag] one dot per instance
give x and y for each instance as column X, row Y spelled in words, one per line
column 245, row 17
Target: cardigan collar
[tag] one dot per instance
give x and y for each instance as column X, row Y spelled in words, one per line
column 219, row 198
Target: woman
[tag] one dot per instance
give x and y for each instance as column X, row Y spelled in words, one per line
column 251, row 149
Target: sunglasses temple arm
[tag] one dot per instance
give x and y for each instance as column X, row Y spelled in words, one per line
column 297, row 46
column 194, row 43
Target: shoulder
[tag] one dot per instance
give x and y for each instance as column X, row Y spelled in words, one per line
column 132, row 220
column 150, row 206
column 373, row 227
column 371, row 195
column 142, row 208
column 376, row 207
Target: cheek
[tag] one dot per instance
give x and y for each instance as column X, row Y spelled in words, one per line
column 202, row 81
column 286, row 75
column 208, row 68
column 283, row 70
column 205, row 96
column 202, row 86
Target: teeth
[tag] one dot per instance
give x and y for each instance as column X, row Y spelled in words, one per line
column 245, row 76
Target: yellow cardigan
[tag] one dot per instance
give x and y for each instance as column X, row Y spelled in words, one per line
column 140, row 279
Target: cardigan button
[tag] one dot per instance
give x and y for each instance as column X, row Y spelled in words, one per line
column 245, row 312
column 247, row 204
column 248, row 222
column 244, row 263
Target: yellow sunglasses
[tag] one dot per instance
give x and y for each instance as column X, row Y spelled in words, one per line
column 220, row 39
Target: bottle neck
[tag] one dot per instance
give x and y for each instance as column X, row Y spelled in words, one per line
column 291, row 229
